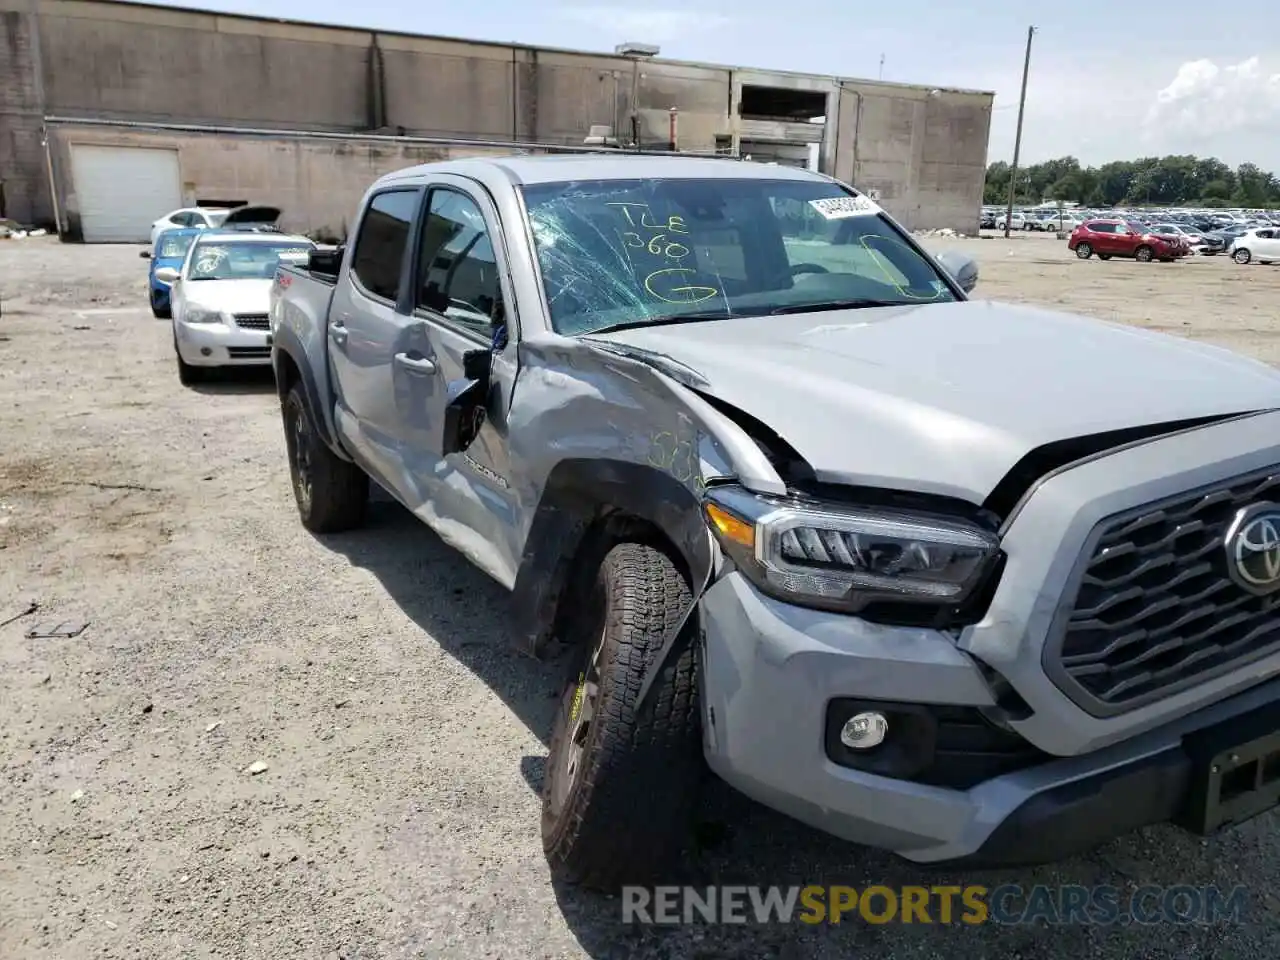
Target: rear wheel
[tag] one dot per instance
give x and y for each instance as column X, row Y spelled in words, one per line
column 331, row 493
column 622, row 780
column 1242, row 256
column 1143, row 254
column 1084, row 251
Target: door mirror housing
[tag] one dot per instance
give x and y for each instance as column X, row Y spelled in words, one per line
column 167, row 275
column 962, row 268
column 467, row 402
column 145, row 254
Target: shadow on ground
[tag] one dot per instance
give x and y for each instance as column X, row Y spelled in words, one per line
column 227, row 381
column 738, row 842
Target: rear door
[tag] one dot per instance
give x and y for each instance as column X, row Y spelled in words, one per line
column 367, row 322
column 461, row 291
column 1102, row 236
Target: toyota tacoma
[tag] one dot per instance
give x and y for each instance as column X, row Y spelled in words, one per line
column 968, row 581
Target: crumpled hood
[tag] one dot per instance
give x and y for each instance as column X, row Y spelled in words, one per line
column 948, row 397
column 229, row 296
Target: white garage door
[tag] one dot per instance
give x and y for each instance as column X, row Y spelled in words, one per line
column 121, row 190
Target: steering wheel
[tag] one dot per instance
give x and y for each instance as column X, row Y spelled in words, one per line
column 799, row 268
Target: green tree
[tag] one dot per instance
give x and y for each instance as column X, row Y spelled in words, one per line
column 1175, row 179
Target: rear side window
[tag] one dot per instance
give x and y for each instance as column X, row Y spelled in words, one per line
column 384, row 233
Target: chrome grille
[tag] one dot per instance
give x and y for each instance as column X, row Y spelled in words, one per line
column 1155, row 610
column 252, row 321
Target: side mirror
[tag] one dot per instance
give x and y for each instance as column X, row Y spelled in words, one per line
column 167, row 275
column 962, row 267
column 466, row 402
column 145, row 254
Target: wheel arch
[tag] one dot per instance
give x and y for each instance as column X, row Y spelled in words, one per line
column 289, row 363
column 587, row 505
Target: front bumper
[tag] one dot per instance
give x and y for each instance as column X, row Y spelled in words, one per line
column 771, row 669
column 222, row 345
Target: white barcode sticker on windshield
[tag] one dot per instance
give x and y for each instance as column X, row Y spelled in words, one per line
column 837, row 208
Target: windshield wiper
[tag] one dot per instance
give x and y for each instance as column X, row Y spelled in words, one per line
column 694, row 317
column 835, row 305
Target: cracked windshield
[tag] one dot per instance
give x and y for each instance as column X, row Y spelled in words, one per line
column 617, row 252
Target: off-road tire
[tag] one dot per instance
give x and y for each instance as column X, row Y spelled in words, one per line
column 1084, row 250
column 626, row 812
column 331, row 494
column 1143, row 254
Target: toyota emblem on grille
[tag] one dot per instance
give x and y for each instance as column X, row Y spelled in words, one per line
column 1253, row 548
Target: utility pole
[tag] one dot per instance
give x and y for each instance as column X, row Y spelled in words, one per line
column 1017, row 139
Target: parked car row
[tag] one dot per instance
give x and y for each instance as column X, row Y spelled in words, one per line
column 214, row 284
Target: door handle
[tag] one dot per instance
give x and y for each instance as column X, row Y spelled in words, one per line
column 416, row 364
column 338, row 332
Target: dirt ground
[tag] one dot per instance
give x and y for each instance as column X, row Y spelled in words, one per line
column 398, row 815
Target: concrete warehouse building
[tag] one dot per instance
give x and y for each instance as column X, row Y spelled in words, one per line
column 112, row 114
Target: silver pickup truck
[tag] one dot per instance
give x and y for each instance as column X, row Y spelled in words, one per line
column 969, row 581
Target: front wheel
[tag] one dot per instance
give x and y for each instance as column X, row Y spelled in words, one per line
column 1143, row 254
column 622, row 781
column 1242, row 256
column 1084, row 251
column 331, row 493
column 188, row 375
column 161, row 311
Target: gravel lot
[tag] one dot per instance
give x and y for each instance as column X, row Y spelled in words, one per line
column 398, row 816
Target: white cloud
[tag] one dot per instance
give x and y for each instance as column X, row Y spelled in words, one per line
column 1207, row 101
column 644, row 26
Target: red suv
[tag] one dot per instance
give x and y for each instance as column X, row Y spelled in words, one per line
column 1119, row 238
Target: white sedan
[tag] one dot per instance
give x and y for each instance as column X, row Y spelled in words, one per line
column 221, row 298
column 208, row 218
column 1261, row 244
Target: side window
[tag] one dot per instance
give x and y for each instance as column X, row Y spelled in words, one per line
column 380, row 243
column 181, row 219
column 457, row 270
column 1266, row 234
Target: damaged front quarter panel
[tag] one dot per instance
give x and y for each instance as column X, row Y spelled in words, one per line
column 603, row 439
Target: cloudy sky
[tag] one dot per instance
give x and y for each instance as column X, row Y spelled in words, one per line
column 1109, row 79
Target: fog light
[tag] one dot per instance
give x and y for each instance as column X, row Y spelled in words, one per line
column 863, row 731
column 206, row 352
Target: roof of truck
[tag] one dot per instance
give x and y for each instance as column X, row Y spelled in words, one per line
column 610, row 165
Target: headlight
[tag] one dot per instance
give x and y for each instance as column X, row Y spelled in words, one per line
column 193, row 315
column 833, row 557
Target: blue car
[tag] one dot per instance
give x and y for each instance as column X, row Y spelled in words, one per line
column 170, row 251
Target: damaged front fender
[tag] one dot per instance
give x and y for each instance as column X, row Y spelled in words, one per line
column 615, row 439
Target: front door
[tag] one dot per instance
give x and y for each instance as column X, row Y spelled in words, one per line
column 367, row 323
column 460, row 296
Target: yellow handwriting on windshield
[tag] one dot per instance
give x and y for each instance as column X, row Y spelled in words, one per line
column 659, row 285
column 639, row 215
column 883, row 263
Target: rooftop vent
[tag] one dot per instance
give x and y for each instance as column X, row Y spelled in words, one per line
column 632, row 49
